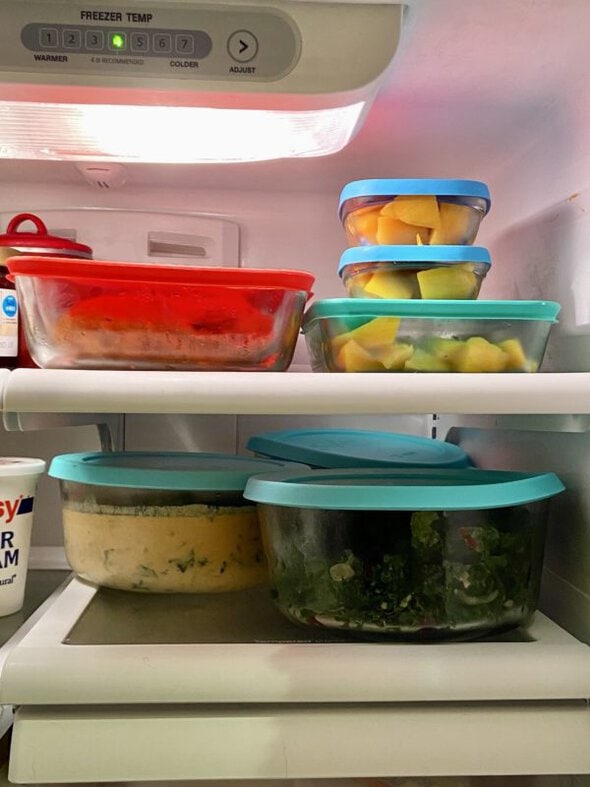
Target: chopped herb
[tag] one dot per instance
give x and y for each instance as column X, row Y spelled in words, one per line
column 429, row 571
column 183, row 564
column 146, row 571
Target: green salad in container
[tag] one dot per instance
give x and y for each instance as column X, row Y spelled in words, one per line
column 364, row 552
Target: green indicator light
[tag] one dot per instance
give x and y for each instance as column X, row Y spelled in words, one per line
column 118, row 41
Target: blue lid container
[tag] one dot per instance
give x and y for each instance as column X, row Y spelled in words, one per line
column 415, row 255
column 339, row 448
column 391, row 187
column 162, row 470
column 375, row 489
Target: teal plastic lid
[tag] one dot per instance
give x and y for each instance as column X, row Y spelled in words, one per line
column 403, row 490
column 393, row 187
column 330, row 448
column 163, row 470
column 414, row 254
column 455, row 310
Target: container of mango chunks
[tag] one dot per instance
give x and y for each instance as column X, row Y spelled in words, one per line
column 354, row 335
column 413, row 211
column 421, row 272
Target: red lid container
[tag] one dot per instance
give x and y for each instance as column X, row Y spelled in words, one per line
column 40, row 241
column 114, row 315
column 13, row 347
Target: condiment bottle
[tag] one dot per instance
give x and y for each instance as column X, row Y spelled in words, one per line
column 9, row 321
column 13, row 345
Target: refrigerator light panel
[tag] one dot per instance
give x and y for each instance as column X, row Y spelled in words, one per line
column 171, row 135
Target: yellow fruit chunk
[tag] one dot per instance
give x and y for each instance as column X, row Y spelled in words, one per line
column 356, row 284
column 421, row 361
column 444, row 349
column 393, row 358
column 517, row 360
column 457, row 225
column 393, row 232
column 354, row 358
column 479, row 355
column 362, row 224
column 420, row 210
column 375, row 333
column 391, row 284
column 447, row 283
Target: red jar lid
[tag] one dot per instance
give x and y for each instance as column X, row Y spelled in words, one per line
column 40, row 241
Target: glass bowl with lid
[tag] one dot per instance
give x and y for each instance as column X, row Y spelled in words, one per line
column 414, row 272
column 162, row 522
column 372, row 335
column 407, row 211
column 409, row 555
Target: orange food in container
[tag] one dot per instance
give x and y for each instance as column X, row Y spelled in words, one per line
column 114, row 315
column 413, row 211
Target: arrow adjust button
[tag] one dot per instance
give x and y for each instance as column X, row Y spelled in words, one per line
column 242, row 46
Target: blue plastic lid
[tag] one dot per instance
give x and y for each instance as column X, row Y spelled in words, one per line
column 393, row 187
column 455, row 310
column 416, row 254
column 330, row 448
column 403, row 490
column 163, row 470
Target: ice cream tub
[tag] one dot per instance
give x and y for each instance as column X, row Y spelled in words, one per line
column 18, row 483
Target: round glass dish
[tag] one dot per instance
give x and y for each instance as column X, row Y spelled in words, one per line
column 325, row 448
column 161, row 522
column 414, row 272
column 421, row 211
column 405, row 554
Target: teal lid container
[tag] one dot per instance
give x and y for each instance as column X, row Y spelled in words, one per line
column 376, row 489
column 162, row 470
column 545, row 311
column 339, row 448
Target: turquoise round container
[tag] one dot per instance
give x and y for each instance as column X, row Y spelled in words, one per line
column 332, row 448
column 162, row 522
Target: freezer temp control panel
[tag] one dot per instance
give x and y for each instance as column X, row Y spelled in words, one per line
column 192, row 41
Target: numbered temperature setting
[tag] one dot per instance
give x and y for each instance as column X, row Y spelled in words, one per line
column 185, row 41
column 91, row 40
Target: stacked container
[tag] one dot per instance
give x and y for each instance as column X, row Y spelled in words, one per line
column 413, row 277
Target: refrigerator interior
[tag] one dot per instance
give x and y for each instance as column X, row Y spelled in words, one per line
column 491, row 91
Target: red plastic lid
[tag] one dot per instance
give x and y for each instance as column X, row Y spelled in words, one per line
column 40, row 241
column 98, row 270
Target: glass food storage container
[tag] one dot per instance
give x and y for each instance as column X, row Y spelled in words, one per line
column 354, row 335
column 114, row 315
column 325, row 448
column 419, row 272
column 162, row 522
column 421, row 211
column 405, row 554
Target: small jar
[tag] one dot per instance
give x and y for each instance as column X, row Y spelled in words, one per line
column 14, row 242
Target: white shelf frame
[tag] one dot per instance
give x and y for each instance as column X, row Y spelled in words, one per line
column 236, row 711
column 555, row 666
column 302, row 393
column 107, row 744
